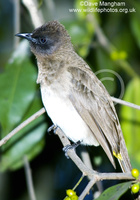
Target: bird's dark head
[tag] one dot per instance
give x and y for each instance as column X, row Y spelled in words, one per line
column 47, row 39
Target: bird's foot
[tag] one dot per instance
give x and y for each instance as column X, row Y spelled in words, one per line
column 72, row 146
column 52, row 128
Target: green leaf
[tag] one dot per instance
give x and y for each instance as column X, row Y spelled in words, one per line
column 29, row 141
column 130, row 121
column 115, row 192
column 17, row 88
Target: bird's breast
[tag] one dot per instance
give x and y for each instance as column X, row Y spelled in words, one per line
column 62, row 113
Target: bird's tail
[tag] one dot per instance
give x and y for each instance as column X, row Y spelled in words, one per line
column 124, row 158
column 125, row 164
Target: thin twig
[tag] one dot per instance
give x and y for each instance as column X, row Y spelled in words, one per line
column 87, row 188
column 22, row 125
column 132, row 105
column 29, row 179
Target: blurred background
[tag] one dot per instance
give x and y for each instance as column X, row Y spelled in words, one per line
column 107, row 36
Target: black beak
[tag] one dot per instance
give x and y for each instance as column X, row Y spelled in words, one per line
column 24, row 35
column 27, row 36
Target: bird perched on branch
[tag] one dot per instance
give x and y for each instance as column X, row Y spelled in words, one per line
column 74, row 98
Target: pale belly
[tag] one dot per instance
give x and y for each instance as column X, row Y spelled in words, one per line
column 64, row 115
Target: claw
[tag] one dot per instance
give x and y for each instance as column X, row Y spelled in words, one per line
column 52, row 128
column 72, row 146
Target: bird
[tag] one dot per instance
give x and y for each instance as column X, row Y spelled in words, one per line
column 74, row 98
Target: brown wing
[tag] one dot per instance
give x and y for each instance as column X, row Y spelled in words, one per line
column 95, row 106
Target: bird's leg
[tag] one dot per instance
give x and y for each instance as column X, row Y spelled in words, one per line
column 72, row 146
column 52, row 128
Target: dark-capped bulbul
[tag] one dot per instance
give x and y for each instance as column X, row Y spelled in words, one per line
column 74, row 98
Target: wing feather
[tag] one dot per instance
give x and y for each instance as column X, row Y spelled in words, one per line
column 96, row 108
column 94, row 127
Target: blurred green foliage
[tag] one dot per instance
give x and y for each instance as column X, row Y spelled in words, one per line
column 18, row 102
column 107, row 41
column 81, row 33
column 130, row 121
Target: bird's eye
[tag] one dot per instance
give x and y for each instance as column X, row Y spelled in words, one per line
column 43, row 40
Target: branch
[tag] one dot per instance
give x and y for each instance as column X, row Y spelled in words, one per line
column 87, row 161
column 29, row 179
column 22, row 125
column 71, row 153
column 35, row 13
column 93, row 175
